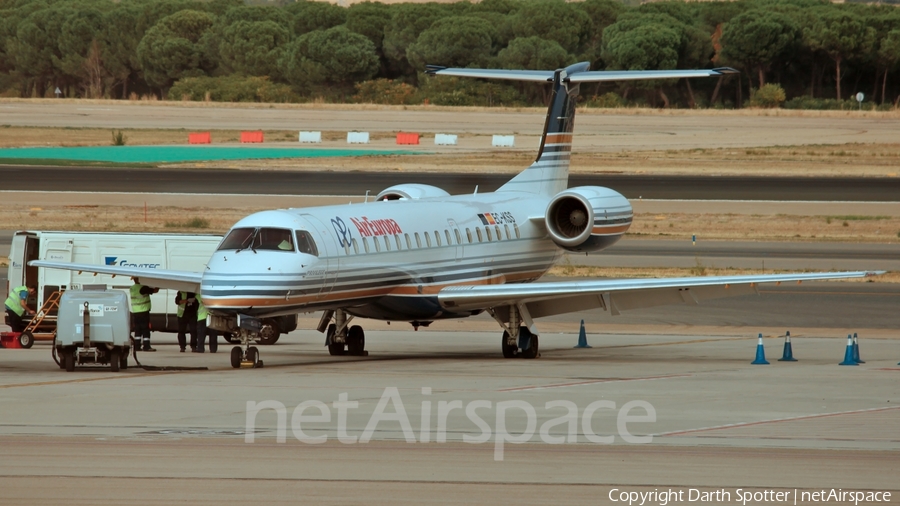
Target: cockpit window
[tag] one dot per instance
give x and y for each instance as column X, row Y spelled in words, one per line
column 306, row 244
column 272, row 239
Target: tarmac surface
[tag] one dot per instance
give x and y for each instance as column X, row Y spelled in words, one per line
column 225, row 181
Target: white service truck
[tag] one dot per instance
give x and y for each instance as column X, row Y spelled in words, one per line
column 181, row 252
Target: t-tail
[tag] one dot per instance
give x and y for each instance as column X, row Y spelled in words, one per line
column 549, row 174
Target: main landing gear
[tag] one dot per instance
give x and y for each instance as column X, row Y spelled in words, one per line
column 518, row 339
column 340, row 338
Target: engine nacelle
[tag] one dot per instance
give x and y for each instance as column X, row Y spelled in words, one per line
column 588, row 218
column 411, row 191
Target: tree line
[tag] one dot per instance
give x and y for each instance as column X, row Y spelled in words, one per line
column 804, row 53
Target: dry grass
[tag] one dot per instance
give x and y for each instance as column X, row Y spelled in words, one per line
column 626, row 111
column 707, row 227
column 571, row 271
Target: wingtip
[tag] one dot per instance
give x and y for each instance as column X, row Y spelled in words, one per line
column 433, row 69
column 726, row 70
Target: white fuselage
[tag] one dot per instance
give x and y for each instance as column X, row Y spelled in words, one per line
column 386, row 259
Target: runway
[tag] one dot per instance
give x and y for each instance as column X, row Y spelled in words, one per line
column 99, row 179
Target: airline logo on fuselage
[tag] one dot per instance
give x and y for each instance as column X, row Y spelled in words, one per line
column 370, row 228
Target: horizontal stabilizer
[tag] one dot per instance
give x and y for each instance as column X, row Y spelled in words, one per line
column 579, row 77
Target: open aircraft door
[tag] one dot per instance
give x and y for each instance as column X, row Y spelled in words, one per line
column 328, row 253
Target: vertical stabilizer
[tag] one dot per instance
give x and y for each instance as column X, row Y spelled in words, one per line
column 549, row 174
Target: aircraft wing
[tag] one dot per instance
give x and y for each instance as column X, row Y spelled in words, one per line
column 159, row 278
column 615, row 295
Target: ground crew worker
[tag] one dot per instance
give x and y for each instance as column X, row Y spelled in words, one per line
column 140, row 311
column 17, row 306
column 187, row 317
column 202, row 331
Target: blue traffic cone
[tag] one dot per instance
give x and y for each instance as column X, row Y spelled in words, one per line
column 582, row 338
column 856, row 350
column 760, row 353
column 848, row 354
column 788, row 355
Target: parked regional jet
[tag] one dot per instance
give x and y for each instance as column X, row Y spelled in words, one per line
column 419, row 254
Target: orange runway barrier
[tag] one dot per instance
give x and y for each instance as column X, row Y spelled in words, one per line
column 407, row 138
column 252, row 136
column 199, row 138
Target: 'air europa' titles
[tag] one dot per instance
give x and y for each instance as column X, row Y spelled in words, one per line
column 369, row 228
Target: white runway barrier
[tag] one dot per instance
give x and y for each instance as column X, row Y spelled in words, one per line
column 357, row 137
column 311, row 137
column 444, row 140
column 504, row 141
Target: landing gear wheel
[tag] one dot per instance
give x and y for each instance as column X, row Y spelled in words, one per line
column 356, row 341
column 26, row 339
column 334, row 348
column 509, row 350
column 236, row 355
column 231, row 338
column 114, row 359
column 269, row 333
column 69, row 360
column 253, row 355
column 532, row 350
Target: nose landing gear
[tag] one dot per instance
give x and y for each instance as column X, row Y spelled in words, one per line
column 245, row 356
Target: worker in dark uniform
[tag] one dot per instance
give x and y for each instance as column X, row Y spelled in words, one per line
column 140, row 312
column 187, row 318
column 17, row 306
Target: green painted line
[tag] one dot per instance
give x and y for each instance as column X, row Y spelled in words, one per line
column 159, row 154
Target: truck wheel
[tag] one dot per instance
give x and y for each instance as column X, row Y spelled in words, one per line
column 114, row 358
column 26, row 339
column 69, row 360
column 123, row 362
column 269, row 333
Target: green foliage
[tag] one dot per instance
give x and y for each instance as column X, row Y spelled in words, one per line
column 553, row 20
column 610, row 100
column 822, row 104
column 757, row 38
column 641, row 43
column 253, row 47
column 386, row 91
column 769, row 96
column 118, row 138
column 310, row 16
column 335, row 56
column 171, row 50
column 457, row 41
column 231, row 89
column 458, row 91
column 534, row 53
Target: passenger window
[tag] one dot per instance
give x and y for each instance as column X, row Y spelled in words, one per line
column 408, row 242
column 507, row 232
column 387, row 243
column 497, row 229
column 469, row 235
column 355, row 247
column 427, row 239
column 377, row 246
column 516, row 228
column 458, row 238
column 306, row 244
column 447, row 235
column 437, row 238
column 418, row 241
column 397, row 237
column 478, row 232
column 488, row 231
column 366, row 244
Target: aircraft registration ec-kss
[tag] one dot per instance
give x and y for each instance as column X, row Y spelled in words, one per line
column 419, row 254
